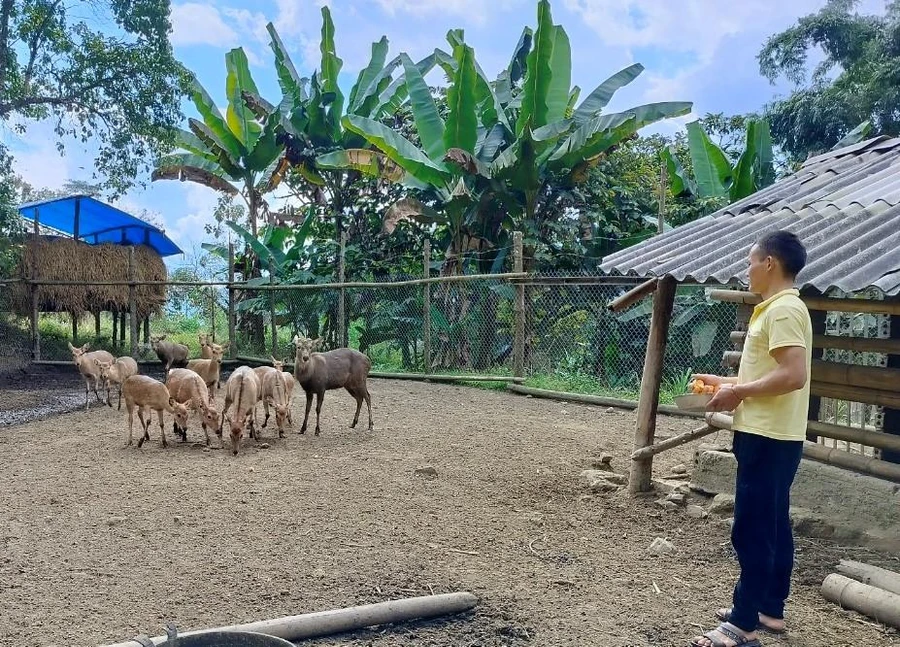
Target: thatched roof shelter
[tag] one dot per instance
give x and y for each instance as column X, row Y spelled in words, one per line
column 52, row 259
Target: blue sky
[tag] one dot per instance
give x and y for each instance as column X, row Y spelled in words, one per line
column 693, row 50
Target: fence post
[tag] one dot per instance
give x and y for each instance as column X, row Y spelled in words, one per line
column 232, row 343
column 132, row 302
column 342, row 295
column 272, row 308
column 212, row 313
column 426, row 309
column 35, row 296
column 519, row 334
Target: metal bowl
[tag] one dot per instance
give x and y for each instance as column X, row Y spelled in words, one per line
column 229, row 639
column 693, row 401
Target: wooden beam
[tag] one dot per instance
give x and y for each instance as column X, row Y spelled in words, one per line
column 675, row 441
column 856, row 394
column 867, row 437
column 875, row 576
column 426, row 307
column 518, row 309
column 869, row 377
column 858, row 344
column 878, row 604
column 871, row 306
column 633, row 295
column 640, row 477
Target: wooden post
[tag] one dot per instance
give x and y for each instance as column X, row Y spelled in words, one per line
column 892, row 416
column 147, row 329
column 96, row 324
column 122, row 316
column 35, row 294
column 272, row 308
column 74, row 327
column 661, row 217
column 426, row 308
column 519, row 308
column 212, row 313
column 342, row 294
column 639, row 479
column 817, row 317
column 115, row 335
column 232, row 323
column 132, row 302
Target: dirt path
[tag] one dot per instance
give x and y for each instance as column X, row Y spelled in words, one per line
column 99, row 542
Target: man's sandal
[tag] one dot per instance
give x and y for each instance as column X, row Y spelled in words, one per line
column 725, row 616
column 725, row 630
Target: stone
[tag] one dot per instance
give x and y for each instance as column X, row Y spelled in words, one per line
column 666, row 505
column 696, row 512
column 264, row 445
column 604, row 486
column 115, row 521
column 679, row 469
column 611, row 410
column 677, row 498
column 660, row 546
column 810, row 524
column 722, row 504
column 606, row 459
column 428, row 472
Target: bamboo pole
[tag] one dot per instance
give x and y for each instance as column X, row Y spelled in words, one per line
column 273, row 324
column 640, row 476
column 597, row 400
column 867, row 437
column 855, row 344
column 675, row 441
column 132, row 302
column 426, row 308
column 869, row 306
column 872, row 575
column 519, row 334
column 342, row 293
column 633, row 296
column 232, row 320
column 870, row 377
column 880, row 605
column 325, row 623
column 856, row 394
column 580, row 280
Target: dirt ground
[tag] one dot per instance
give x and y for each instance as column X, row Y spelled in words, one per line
column 99, row 542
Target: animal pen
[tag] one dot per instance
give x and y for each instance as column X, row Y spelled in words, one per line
column 845, row 207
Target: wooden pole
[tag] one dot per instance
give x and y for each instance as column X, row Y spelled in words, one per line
column 115, row 325
column 880, row 605
column 132, row 302
column 342, row 294
column 232, row 321
column 817, row 318
column 147, row 330
column 872, row 575
column 640, row 477
column 597, row 400
column 426, row 308
column 633, row 296
column 661, row 217
column 122, row 316
column 35, row 293
column 519, row 310
column 96, row 324
column 892, row 414
column 272, row 309
column 675, row 441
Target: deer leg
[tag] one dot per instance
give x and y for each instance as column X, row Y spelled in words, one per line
column 319, row 397
column 266, row 410
column 87, row 391
column 130, row 426
column 120, row 396
column 96, row 392
column 162, row 431
column 306, row 416
column 369, row 407
column 359, row 400
column 144, row 434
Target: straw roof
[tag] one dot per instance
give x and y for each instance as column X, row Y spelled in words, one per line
column 65, row 259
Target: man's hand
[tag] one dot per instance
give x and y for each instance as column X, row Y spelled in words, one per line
column 725, row 399
column 712, row 380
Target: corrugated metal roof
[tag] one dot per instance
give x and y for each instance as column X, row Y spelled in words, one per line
column 844, row 205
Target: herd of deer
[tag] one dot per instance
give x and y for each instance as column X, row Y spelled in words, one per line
column 191, row 386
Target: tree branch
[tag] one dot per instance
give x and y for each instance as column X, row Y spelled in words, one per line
column 35, row 43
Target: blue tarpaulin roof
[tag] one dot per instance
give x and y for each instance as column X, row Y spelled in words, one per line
column 94, row 222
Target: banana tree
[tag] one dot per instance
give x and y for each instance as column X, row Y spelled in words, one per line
column 714, row 174
column 540, row 132
column 231, row 154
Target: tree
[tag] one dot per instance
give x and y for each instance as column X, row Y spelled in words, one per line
column 858, row 80
column 121, row 86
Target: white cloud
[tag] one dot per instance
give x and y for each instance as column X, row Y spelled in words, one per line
column 195, row 23
column 690, row 26
column 475, row 11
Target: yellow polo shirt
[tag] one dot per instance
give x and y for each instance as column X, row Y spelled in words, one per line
column 779, row 321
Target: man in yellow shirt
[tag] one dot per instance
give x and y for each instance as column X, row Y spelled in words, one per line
column 770, row 400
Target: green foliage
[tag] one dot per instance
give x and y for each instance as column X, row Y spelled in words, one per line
column 857, row 80
column 121, row 85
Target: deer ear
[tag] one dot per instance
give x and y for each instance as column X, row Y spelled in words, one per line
column 171, row 401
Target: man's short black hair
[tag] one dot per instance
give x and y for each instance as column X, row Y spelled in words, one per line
column 787, row 248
